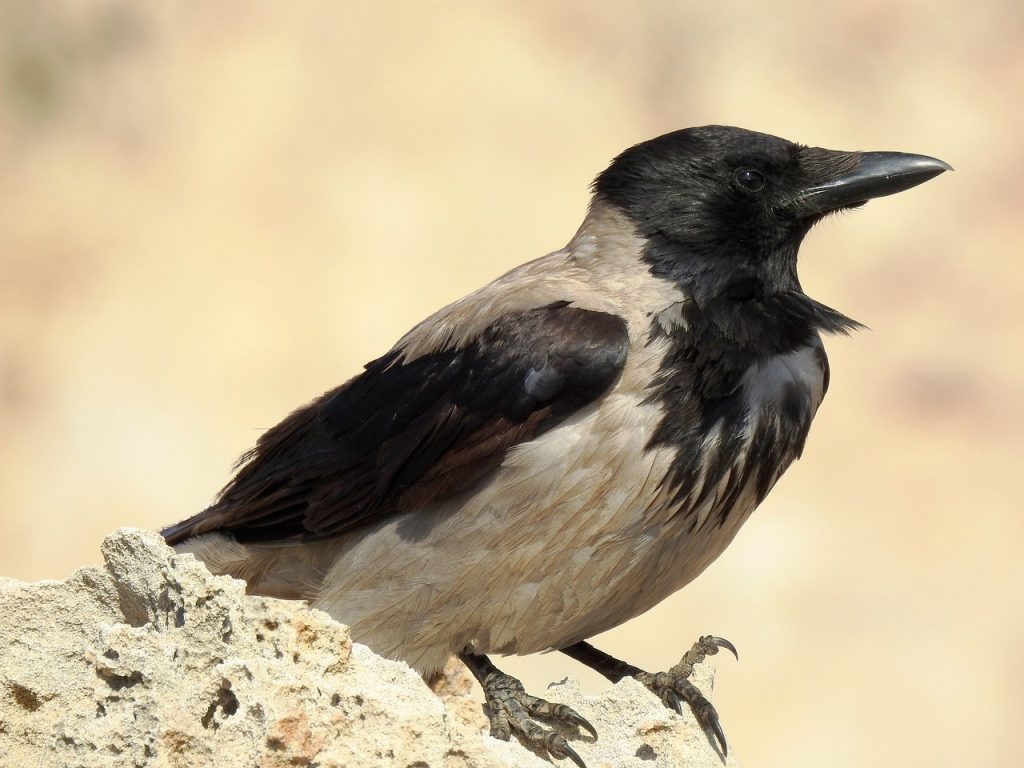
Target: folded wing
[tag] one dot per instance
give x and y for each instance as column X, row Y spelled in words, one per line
column 407, row 433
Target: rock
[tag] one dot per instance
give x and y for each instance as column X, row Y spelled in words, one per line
column 153, row 661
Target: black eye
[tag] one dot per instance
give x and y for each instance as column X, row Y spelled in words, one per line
column 750, row 180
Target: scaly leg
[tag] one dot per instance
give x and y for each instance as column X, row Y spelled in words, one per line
column 668, row 686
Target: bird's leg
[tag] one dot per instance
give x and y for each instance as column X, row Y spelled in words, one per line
column 511, row 710
column 671, row 686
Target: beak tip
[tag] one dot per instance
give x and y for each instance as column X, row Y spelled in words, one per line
column 940, row 166
column 930, row 167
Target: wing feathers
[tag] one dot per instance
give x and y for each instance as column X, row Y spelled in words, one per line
column 408, row 433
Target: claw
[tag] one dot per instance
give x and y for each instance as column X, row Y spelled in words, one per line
column 581, row 722
column 721, row 642
column 571, row 754
column 711, row 718
column 672, row 700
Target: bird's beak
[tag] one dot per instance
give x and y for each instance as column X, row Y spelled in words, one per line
column 876, row 174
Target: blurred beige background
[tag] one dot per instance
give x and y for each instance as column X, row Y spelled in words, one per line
column 210, row 213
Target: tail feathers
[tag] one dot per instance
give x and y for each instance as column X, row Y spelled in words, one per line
column 179, row 532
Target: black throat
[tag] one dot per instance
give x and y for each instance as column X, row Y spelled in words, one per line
column 712, row 345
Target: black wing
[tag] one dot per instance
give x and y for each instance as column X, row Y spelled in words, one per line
column 404, row 434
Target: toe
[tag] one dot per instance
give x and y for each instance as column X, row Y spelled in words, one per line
column 561, row 713
column 500, row 726
column 564, row 714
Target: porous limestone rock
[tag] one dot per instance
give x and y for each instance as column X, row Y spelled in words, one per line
column 153, row 661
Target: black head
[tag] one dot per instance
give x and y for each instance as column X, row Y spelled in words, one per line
column 724, row 209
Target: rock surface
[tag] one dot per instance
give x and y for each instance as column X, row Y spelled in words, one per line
column 153, row 661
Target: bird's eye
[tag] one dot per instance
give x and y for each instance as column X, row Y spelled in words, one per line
column 750, row 180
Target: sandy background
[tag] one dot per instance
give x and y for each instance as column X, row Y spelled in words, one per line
column 210, row 213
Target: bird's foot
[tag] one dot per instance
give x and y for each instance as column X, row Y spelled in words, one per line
column 511, row 710
column 674, row 687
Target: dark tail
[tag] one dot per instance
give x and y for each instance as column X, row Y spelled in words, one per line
column 179, row 532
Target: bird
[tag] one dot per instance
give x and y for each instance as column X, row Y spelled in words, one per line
column 562, row 449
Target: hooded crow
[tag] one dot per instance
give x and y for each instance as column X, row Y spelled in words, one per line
column 562, row 449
